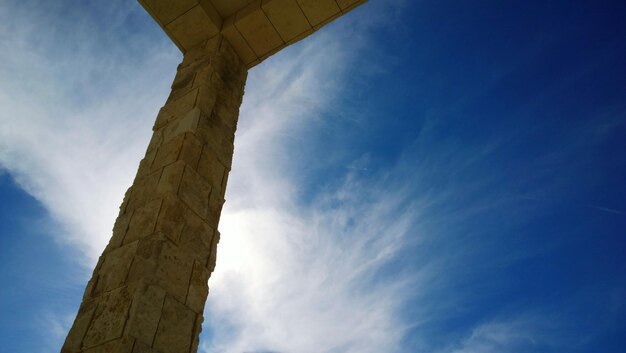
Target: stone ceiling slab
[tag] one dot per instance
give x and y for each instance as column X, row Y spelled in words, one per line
column 287, row 17
column 255, row 28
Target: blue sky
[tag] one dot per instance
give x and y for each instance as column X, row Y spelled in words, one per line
column 441, row 177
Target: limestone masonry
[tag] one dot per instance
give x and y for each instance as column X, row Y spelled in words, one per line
column 148, row 289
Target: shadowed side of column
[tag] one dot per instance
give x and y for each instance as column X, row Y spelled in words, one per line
column 148, row 290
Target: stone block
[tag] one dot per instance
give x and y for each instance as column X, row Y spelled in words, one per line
column 216, row 201
column 319, row 11
column 207, row 97
column 196, row 237
column 198, row 288
column 257, row 29
column 228, row 83
column 224, row 183
column 170, row 178
column 114, row 269
column 125, row 201
column 168, row 152
column 185, row 147
column 193, row 27
column 109, row 318
column 198, row 54
column 188, row 122
column 204, row 72
column 166, row 11
column 146, row 163
column 228, row 64
column 175, row 328
column 73, row 342
column 119, row 231
column 122, row 345
column 145, row 313
column 195, row 192
column 228, row 114
column 182, row 82
column 141, row 347
column 238, row 42
column 157, row 136
column 327, row 21
column 163, row 117
column 227, row 8
column 211, row 169
column 196, row 333
column 171, row 220
column 301, row 36
column 143, row 221
column 218, row 144
column 348, row 5
column 191, row 150
column 178, row 106
column 162, row 263
column 143, row 191
column 213, row 254
column 174, row 271
column 215, row 124
column 287, row 18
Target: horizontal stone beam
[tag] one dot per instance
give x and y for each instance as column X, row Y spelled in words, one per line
column 256, row 29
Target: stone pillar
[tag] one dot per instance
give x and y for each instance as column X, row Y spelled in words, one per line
column 148, row 290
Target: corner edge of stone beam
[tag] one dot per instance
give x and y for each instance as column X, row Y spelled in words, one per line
column 253, row 31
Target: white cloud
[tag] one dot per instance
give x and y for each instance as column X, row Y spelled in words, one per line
column 291, row 276
column 501, row 336
column 74, row 123
column 74, row 118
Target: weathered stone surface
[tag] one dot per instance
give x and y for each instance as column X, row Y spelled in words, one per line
column 198, row 288
column 191, row 150
column 180, row 105
column 347, row 5
column 196, row 333
column 109, row 318
column 141, row 347
column 74, row 340
column 170, row 178
column 142, row 191
column 143, row 221
column 196, row 237
column 175, row 328
column 167, row 153
column 114, row 269
column 145, row 313
column 212, row 170
column 188, row 122
column 119, row 230
column 287, row 17
column 231, row 33
column 149, row 287
column 160, row 262
column 122, row 345
column 172, row 218
column 195, row 191
column 254, row 25
column 318, row 11
column 213, row 252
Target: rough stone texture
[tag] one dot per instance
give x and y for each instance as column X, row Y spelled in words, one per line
column 148, row 290
column 255, row 28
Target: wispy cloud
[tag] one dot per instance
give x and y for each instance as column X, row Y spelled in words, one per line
column 280, row 284
column 350, row 267
column 605, row 209
column 73, row 116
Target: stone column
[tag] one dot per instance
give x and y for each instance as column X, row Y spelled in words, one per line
column 148, row 290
